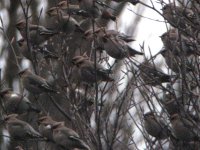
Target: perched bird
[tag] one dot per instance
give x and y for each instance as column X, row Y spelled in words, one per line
column 179, row 17
column 64, row 22
column 34, row 83
column 86, row 70
column 16, row 103
column 175, row 63
column 39, row 51
column 180, row 44
column 38, row 34
column 117, row 48
column 151, row 75
column 45, row 124
column 90, row 7
column 184, row 129
column 20, row 129
column 155, row 126
column 67, row 138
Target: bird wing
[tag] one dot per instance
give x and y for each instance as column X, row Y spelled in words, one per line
column 16, row 124
column 39, row 82
column 30, row 131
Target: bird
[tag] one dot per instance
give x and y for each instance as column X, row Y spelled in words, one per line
column 38, row 34
column 45, row 124
column 179, row 17
column 19, row 129
column 86, row 70
column 117, row 48
column 90, row 6
column 64, row 23
column 67, row 138
column 17, row 103
column 153, row 76
column 180, row 44
column 35, row 83
column 175, row 63
column 183, row 128
column 155, row 126
column 39, row 51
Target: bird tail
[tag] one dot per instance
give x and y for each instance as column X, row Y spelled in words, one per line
column 133, row 52
column 81, row 144
column 48, row 32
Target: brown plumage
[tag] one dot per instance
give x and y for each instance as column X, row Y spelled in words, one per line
column 20, row 129
column 34, row 83
column 184, row 129
column 38, row 34
column 180, row 44
column 45, row 124
column 67, row 138
column 63, row 22
column 92, row 10
column 152, row 75
column 17, row 103
column 175, row 63
column 179, row 17
column 155, row 126
column 117, row 48
column 86, row 70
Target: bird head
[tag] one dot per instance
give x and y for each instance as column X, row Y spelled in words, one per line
column 23, row 72
column 45, row 119
column 174, row 117
column 53, row 11
column 77, row 60
column 9, row 117
column 163, row 36
column 163, row 52
column 21, row 24
column 5, row 91
column 57, row 125
column 149, row 115
column 21, row 42
column 63, row 4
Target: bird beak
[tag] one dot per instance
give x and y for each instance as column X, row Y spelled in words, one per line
column 20, row 73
